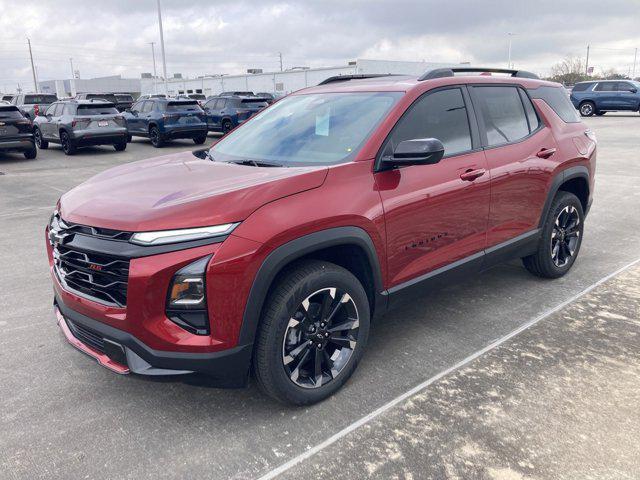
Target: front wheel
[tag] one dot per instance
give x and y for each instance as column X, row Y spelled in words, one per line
column 31, row 153
column 120, row 146
column 561, row 238
column 40, row 142
column 313, row 333
column 226, row 126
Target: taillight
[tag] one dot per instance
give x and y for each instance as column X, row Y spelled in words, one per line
column 36, row 109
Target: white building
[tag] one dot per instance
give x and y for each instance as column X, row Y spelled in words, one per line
column 280, row 82
column 110, row 84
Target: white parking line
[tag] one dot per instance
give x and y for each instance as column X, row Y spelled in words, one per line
column 387, row 406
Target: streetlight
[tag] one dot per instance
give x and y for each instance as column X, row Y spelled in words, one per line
column 511, row 35
column 164, row 61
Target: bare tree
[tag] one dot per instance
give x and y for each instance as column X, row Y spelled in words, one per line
column 568, row 71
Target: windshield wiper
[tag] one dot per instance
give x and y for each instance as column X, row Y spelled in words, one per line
column 255, row 163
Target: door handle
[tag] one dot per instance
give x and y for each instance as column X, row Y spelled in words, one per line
column 470, row 175
column 546, row 152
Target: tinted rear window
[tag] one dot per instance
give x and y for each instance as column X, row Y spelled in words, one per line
column 9, row 112
column 109, row 97
column 503, row 112
column 33, row 99
column 183, row 107
column 557, row 99
column 581, row 87
column 124, row 98
column 247, row 102
column 97, row 110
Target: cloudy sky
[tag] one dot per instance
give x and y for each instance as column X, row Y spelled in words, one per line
column 208, row 37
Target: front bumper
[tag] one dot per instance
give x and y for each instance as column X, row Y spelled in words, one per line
column 121, row 352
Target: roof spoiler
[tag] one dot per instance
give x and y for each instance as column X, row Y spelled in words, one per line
column 356, row 76
column 450, row 72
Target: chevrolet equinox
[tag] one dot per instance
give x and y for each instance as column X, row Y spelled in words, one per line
column 273, row 251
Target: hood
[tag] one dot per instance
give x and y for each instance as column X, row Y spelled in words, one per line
column 181, row 191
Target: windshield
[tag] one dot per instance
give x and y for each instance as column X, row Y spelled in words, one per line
column 124, row 98
column 315, row 129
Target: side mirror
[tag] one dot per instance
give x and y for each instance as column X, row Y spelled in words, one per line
column 419, row 151
column 634, row 90
column 133, row 112
column 201, row 153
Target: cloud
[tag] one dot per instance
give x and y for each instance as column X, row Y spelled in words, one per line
column 202, row 37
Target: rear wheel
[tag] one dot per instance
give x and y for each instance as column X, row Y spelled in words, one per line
column 67, row 144
column 561, row 238
column 40, row 142
column 120, row 146
column 313, row 333
column 226, row 126
column 587, row 109
column 200, row 140
column 129, row 138
column 156, row 139
column 31, row 153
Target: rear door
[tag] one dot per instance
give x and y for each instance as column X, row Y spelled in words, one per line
column 606, row 96
column 435, row 214
column 133, row 117
column 519, row 150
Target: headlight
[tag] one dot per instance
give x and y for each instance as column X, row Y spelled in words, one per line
column 183, row 235
column 187, row 298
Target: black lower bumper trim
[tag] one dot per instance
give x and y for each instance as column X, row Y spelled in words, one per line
column 228, row 368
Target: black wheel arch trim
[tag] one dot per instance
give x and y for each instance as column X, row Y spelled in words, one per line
column 579, row 171
column 298, row 248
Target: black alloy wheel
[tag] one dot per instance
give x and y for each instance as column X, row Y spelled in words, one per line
column 320, row 338
column 565, row 236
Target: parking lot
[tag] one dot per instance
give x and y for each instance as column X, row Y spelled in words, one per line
column 557, row 400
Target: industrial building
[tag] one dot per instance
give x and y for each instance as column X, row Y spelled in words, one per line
column 279, row 82
column 70, row 87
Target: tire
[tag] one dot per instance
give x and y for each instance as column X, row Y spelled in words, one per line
column 120, row 146
column 226, row 126
column 287, row 332
column 560, row 241
column 41, row 143
column 67, row 144
column 200, row 140
column 156, row 139
column 129, row 138
column 587, row 109
column 31, row 153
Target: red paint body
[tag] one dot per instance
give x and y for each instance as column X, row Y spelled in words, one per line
column 397, row 209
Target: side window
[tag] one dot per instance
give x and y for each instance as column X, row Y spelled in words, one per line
column 558, row 101
column 210, row 104
column 442, row 115
column 625, row 87
column 532, row 116
column 605, row 87
column 51, row 109
column 148, row 106
column 68, row 109
column 503, row 114
column 136, row 107
column 221, row 103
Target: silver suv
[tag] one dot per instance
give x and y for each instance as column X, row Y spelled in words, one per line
column 80, row 123
column 33, row 104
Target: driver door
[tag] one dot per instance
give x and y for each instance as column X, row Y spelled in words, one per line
column 47, row 124
column 437, row 214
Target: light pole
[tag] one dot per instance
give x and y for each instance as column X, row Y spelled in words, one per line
column 155, row 75
column 511, row 35
column 635, row 57
column 164, row 60
column 33, row 69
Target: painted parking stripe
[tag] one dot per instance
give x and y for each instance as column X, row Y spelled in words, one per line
column 387, row 406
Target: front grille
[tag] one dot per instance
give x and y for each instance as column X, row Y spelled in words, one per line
column 87, row 336
column 98, row 276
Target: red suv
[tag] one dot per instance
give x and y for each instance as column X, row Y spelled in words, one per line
column 275, row 250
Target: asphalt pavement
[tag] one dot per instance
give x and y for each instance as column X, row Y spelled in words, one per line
column 63, row 416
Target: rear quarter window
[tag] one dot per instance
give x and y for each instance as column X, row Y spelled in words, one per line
column 558, row 101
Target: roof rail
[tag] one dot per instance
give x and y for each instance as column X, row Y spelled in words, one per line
column 450, row 72
column 356, row 76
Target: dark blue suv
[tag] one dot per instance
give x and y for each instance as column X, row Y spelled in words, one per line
column 162, row 119
column 600, row 96
column 226, row 113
